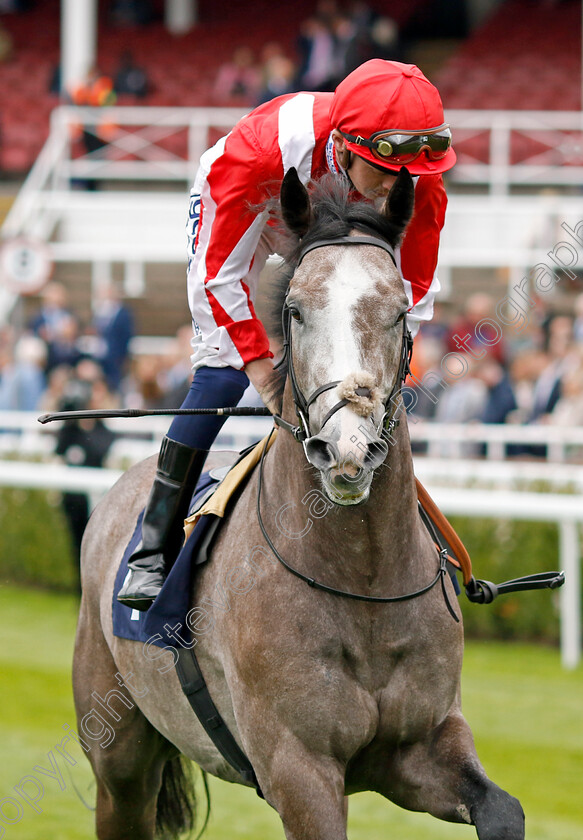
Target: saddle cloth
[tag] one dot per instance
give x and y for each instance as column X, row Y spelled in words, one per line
column 207, row 508
column 172, row 604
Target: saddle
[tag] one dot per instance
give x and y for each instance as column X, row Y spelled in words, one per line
column 228, row 480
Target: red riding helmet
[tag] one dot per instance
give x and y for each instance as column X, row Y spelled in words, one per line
column 391, row 116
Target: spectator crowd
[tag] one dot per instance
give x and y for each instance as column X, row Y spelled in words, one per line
column 529, row 375
column 55, row 362
column 331, row 43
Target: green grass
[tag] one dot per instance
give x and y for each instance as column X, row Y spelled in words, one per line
column 525, row 711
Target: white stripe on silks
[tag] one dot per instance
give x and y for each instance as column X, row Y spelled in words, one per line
column 296, row 135
column 206, row 161
column 197, row 266
column 423, row 309
column 229, row 294
column 227, row 290
column 226, row 286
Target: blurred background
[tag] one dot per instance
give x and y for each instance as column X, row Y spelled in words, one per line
column 105, row 109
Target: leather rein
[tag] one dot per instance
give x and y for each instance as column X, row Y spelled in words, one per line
column 301, row 432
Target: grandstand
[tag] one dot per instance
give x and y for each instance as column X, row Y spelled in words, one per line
column 181, row 69
column 511, row 88
column 526, row 56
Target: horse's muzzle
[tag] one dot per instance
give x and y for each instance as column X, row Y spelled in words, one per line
column 346, row 479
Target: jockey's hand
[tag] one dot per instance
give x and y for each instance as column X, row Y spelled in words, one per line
column 260, row 373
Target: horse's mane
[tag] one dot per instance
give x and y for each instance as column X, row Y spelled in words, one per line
column 335, row 213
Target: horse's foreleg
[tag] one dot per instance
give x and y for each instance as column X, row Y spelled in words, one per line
column 444, row 777
column 307, row 792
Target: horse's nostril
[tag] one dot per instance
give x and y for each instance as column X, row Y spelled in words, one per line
column 320, row 453
column 376, row 454
column 324, row 455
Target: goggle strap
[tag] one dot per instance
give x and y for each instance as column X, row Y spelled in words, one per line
column 359, row 141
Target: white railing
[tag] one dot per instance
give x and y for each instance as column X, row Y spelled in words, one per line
column 21, row 433
column 22, row 436
column 501, row 149
column 496, row 149
column 499, row 475
column 138, row 151
column 153, row 144
column 458, row 440
column 565, row 510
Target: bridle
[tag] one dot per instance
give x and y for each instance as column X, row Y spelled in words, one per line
column 302, row 432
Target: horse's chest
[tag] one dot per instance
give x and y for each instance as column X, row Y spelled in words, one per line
column 412, row 686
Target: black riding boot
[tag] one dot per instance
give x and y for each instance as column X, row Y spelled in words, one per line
column 179, row 468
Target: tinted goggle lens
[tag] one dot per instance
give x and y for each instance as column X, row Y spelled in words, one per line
column 402, row 147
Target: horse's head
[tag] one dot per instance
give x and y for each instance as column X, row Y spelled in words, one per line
column 344, row 322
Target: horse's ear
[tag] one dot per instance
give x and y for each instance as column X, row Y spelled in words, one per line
column 295, row 203
column 400, row 201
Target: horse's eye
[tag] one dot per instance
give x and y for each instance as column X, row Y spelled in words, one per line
column 400, row 318
column 296, row 314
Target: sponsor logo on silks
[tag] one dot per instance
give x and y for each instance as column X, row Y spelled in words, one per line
column 330, row 156
column 193, row 222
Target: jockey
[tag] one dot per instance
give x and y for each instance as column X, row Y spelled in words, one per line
column 384, row 115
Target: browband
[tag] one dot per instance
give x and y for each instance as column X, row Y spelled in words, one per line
column 349, row 240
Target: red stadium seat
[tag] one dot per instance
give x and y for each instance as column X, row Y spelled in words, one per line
column 525, row 56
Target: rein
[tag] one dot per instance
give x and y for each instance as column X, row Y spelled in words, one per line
column 375, row 599
column 301, row 432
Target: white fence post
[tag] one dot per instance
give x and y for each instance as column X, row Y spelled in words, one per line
column 570, row 595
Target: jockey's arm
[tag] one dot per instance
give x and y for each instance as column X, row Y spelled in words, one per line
column 420, row 247
column 259, row 372
column 226, row 227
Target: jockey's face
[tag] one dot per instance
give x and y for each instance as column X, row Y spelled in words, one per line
column 370, row 181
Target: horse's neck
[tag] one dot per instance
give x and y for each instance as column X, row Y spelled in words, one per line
column 383, row 528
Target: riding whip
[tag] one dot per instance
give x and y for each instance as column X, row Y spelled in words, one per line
column 104, row 414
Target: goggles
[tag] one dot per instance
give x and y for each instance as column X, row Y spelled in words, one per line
column 400, row 147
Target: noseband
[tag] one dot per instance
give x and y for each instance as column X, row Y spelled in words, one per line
column 302, row 431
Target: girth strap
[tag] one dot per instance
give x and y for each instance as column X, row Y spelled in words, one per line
column 196, row 690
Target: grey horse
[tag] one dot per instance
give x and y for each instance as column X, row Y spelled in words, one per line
column 327, row 695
